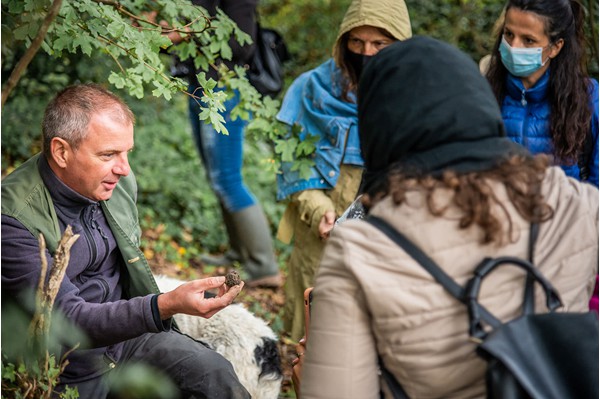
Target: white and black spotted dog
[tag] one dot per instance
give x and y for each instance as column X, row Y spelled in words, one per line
column 241, row 337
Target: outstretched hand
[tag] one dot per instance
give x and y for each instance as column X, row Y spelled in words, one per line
column 189, row 298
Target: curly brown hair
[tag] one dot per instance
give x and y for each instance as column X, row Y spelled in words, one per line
column 568, row 91
column 474, row 196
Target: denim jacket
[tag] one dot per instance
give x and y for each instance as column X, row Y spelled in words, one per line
column 314, row 102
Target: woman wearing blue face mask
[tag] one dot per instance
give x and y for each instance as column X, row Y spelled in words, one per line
column 537, row 72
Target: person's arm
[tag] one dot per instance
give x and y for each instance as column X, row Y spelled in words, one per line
column 341, row 357
column 104, row 323
column 313, row 207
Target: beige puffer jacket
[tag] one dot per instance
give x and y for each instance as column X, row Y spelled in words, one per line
column 370, row 297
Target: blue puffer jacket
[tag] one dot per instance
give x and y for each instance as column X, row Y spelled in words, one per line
column 526, row 115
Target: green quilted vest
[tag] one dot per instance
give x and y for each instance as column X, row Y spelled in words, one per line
column 25, row 198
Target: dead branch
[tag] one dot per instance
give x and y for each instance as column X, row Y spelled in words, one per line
column 61, row 261
column 46, row 293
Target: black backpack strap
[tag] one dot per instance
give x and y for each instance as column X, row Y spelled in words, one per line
column 534, row 232
column 428, row 264
column 529, row 297
column 394, row 386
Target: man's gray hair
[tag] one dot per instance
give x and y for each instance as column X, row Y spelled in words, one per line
column 69, row 113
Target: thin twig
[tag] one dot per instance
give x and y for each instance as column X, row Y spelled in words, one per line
column 16, row 73
column 116, row 61
column 121, row 9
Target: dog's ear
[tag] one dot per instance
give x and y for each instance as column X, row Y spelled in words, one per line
column 267, row 356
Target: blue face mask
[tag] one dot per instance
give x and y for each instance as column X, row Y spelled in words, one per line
column 521, row 62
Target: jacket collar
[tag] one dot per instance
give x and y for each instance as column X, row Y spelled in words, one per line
column 537, row 93
column 66, row 199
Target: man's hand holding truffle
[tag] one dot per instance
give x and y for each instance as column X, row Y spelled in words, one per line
column 189, row 298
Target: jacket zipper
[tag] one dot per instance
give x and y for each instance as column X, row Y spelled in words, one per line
column 525, row 119
column 90, row 240
column 95, row 225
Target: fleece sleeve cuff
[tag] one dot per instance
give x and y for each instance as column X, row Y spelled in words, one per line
column 161, row 325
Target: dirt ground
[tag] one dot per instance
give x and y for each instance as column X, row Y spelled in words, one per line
column 258, row 300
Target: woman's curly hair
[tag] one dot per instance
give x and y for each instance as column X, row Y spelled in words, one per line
column 474, row 196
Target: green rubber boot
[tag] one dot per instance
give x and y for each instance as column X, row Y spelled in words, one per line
column 234, row 253
column 253, row 236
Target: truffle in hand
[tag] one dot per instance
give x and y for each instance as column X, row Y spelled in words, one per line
column 232, row 278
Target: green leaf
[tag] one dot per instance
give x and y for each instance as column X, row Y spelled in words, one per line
column 286, row 148
column 242, row 37
column 137, row 91
column 204, row 114
column 259, row 124
column 226, row 52
column 16, row 7
column 84, row 43
column 305, row 168
column 22, row 32
column 210, row 84
column 117, row 80
column 8, row 371
column 63, row 42
column 186, row 50
column 222, row 31
column 306, row 147
column 214, row 47
column 116, row 29
column 162, row 90
column 216, row 119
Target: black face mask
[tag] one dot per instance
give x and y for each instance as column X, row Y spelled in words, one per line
column 358, row 62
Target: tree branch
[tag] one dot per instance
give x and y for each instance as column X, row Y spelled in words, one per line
column 21, row 66
column 121, row 9
column 46, row 293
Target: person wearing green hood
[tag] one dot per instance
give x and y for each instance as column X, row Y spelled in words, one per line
column 322, row 102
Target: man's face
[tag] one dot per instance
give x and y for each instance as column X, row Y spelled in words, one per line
column 94, row 169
